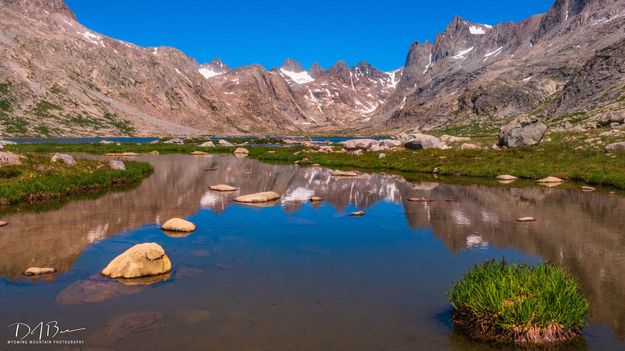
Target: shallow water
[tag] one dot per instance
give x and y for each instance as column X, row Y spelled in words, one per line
column 298, row 276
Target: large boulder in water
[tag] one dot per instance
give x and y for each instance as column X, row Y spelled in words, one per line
column 266, row 196
column 178, row 225
column 142, row 260
column 423, row 142
column 523, row 131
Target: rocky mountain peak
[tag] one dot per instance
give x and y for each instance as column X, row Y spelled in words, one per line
column 315, row 70
column 339, row 70
column 214, row 68
column 37, row 7
column 292, row 66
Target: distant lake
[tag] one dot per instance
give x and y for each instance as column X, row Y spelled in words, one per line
column 133, row 140
column 297, row 275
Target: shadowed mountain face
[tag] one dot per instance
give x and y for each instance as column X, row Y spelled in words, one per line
column 582, row 231
column 59, row 78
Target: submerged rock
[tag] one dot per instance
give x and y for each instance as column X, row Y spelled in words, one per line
column 357, row 214
column 199, row 153
column 523, row 131
column 588, row 188
column 117, row 165
column 130, row 324
column 141, row 260
column 35, row 271
column 96, row 289
column 178, row 225
column 266, row 196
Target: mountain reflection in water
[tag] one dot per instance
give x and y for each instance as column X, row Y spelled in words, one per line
column 582, row 231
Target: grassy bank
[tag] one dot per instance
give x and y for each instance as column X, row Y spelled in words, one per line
column 565, row 155
column 514, row 303
column 37, row 179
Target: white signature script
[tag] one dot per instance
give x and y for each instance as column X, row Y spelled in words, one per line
column 42, row 329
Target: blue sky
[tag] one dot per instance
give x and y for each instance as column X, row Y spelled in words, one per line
column 266, row 32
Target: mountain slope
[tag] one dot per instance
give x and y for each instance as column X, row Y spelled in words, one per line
column 478, row 74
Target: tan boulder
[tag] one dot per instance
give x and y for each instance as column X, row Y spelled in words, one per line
column 34, row 271
column 154, row 153
column 419, row 199
column 142, row 260
column 223, row 188
column 178, row 225
column 199, row 153
column 338, row 173
column 266, row 196
column 506, row 177
column 241, row 151
column 3, row 224
column 526, row 219
column 357, row 214
column 550, row 180
column 588, row 188
column 316, row 199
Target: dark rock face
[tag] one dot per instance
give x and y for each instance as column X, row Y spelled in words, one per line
column 597, row 82
column 503, row 99
column 523, row 131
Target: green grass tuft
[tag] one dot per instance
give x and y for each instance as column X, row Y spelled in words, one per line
column 38, row 179
column 521, row 296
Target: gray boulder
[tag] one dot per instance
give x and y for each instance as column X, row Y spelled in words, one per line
column 9, row 158
column 523, row 131
column 620, row 146
column 65, row 158
column 358, row 144
column 423, row 142
column 176, row 141
column 117, row 165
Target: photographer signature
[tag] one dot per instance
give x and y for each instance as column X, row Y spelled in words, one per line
column 42, row 329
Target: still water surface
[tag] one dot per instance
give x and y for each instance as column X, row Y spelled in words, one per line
column 297, row 276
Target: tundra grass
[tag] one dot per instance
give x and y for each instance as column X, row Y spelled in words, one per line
column 564, row 155
column 519, row 303
column 37, row 179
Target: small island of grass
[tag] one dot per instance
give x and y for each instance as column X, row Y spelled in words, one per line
column 518, row 304
column 38, row 179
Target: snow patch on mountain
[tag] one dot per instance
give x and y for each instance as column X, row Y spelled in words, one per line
column 462, row 54
column 298, row 77
column 208, row 73
column 92, row 38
